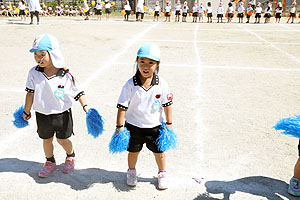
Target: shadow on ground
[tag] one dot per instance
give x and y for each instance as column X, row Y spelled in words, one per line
column 265, row 187
column 78, row 180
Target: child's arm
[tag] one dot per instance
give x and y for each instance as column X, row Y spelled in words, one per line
column 168, row 113
column 120, row 120
column 28, row 105
column 82, row 101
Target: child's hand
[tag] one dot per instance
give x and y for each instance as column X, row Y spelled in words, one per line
column 86, row 108
column 26, row 116
column 118, row 130
column 170, row 126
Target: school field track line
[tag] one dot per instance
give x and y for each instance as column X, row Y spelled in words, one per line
column 271, row 44
column 221, row 41
column 203, row 66
column 236, row 30
column 110, row 62
column 198, row 116
column 215, row 67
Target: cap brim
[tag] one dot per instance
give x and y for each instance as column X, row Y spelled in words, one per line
column 33, row 50
column 148, row 56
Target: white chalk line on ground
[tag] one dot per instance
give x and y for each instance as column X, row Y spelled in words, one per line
column 198, row 117
column 208, row 67
column 202, row 66
column 222, row 41
column 273, row 45
column 110, row 62
column 234, row 30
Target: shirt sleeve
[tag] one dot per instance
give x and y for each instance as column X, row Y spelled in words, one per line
column 30, row 86
column 75, row 90
column 167, row 95
column 125, row 96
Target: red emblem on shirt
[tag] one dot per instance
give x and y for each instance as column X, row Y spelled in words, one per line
column 157, row 96
column 170, row 96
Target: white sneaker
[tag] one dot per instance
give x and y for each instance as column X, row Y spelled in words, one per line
column 131, row 177
column 162, row 181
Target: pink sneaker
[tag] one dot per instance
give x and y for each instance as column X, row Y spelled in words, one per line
column 69, row 165
column 47, row 169
column 131, row 177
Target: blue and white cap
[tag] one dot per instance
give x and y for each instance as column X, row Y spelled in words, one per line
column 49, row 43
column 149, row 50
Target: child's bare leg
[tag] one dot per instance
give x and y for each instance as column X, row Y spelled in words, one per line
column 160, row 160
column 297, row 169
column 48, row 147
column 67, row 145
column 132, row 159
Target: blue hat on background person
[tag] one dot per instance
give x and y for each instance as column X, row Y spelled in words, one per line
column 149, row 50
column 49, row 43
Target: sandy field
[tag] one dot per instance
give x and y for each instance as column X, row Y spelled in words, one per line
column 231, row 83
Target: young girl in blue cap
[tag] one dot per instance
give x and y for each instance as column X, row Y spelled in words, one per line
column 144, row 102
column 51, row 90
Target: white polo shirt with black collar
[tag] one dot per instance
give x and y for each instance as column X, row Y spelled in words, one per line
column 144, row 107
column 52, row 95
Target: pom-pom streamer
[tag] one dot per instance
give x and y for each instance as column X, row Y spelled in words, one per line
column 94, row 123
column 19, row 122
column 119, row 142
column 289, row 126
column 167, row 138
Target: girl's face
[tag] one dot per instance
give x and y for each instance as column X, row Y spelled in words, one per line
column 43, row 58
column 147, row 66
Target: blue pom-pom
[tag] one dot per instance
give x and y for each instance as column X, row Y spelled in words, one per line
column 167, row 138
column 19, row 122
column 289, row 126
column 94, row 123
column 119, row 142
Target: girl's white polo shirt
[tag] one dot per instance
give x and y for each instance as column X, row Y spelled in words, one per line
column 185, row 9
column 144, row 107
column 157, row 8
column 178, row 7
column 52, row 95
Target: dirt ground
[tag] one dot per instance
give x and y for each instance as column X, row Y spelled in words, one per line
column 231, row 84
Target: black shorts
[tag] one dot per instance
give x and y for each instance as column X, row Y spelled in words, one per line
column 177, row 12
column 22, row 12
column 127, row 12
column 248, row 16
column 108, row 10
column 230, row 15
column 219, row 15
column 258, row 15
column 195, row 14
column 292, row 15
column 156, row 13
column 184, row 14
column 209, row 15
column 139, row 136
column 240, row 15
column 278, row 15
column 98, row 12
column 167, row 14
column 61, row 124
column 267, row 15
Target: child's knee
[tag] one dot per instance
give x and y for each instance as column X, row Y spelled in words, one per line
column 160, row 155
column 62, row 141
